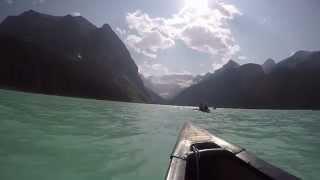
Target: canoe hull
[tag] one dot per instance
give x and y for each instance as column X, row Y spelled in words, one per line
column 219, row 159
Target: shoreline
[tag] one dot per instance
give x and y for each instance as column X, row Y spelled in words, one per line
column 165, row 104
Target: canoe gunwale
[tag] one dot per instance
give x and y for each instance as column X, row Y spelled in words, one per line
column 191, row 135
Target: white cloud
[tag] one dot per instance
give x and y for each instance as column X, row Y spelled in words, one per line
column 150, row 43
column 145, row 35
column 75, row 14
column 203, row 30
column 121, row 32
column 161, row 68
column 242, row 58
column 148, row 69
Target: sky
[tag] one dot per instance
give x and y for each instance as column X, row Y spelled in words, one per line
column 194, row 36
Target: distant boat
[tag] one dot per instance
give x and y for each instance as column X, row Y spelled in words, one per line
column 205, row 111
column 204, row 108
column 199, row 155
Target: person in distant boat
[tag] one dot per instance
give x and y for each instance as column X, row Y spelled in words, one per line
column 200, row 106
column 204, row 108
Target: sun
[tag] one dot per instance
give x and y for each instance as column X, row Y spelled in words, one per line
column 200, row 5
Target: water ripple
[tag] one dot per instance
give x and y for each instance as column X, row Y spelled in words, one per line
column 48, row 137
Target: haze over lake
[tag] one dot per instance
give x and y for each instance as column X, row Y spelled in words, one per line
column 49, row 137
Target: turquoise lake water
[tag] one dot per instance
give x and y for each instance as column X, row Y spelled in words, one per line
column 58, row 138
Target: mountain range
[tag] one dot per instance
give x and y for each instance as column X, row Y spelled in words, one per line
column 168, row 86
column 293, row 83
column 69, row 56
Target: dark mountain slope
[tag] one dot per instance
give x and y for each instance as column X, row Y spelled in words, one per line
column 67, row 56
column 268, row 65
column 232, row 87
column 294, row 83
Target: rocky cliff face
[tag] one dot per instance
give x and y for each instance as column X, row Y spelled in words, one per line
column 67, row 56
